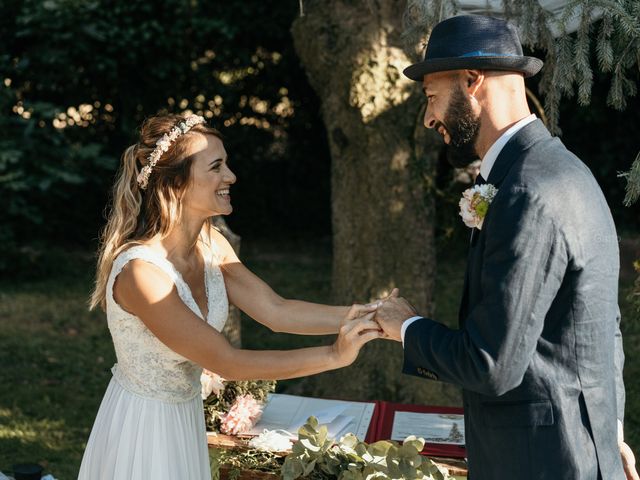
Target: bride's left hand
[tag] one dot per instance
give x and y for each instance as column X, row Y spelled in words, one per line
column 372, row 305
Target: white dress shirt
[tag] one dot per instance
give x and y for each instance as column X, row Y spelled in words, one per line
column 485, row 169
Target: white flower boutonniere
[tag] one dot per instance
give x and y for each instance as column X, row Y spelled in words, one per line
column 474, row 204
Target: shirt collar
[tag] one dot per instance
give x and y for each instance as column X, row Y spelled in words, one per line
column 492, row 154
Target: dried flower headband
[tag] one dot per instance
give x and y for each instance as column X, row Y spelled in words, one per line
column 163, row 144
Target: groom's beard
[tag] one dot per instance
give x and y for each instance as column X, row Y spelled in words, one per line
column 463, row 127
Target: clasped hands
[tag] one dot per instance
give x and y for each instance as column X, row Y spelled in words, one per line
column 389, row 313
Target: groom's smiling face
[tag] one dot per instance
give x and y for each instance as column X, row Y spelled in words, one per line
column 450, row 113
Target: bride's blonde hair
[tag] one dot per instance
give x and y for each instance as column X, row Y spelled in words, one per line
column 137, row 215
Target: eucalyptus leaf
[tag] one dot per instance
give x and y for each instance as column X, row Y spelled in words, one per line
column 317, row 457
column 349, row 440
column 409, row 450
column 309, row 468
column 380, row 449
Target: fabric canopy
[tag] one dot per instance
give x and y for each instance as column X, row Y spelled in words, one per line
column 554, row 7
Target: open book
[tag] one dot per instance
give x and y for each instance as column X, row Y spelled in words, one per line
column 441, row 427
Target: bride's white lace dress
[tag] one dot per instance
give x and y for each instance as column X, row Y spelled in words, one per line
column 150, row 424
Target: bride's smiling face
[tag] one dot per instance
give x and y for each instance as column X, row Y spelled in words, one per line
column 208, row 193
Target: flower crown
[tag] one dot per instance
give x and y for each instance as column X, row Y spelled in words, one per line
column 163, row 144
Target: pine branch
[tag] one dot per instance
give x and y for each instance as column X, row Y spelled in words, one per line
column 633, row 183
column 604, row 50
column 582, row 63
column 568, row 62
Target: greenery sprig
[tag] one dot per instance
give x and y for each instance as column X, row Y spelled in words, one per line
column 237, row 461
column 633, row 183
column 317, row 457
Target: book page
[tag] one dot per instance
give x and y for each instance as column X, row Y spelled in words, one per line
column 290, row 412
column 433, row 427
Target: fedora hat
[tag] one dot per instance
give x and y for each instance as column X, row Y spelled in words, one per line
column 473, row 42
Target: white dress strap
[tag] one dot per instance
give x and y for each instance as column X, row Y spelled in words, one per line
column 145, row 253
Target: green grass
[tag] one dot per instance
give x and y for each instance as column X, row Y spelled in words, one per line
column 55, row 356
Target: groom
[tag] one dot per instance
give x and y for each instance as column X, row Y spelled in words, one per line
column 539, row 351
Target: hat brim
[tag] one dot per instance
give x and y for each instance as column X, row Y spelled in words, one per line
column 528, row 66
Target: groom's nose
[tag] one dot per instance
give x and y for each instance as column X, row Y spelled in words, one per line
column 429, row 119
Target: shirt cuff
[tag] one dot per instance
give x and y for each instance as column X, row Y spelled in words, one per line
column 405, row 325
column 620, row 432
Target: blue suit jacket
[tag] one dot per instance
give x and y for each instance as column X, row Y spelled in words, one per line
column 538, row 352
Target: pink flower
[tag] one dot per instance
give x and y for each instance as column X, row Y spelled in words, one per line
column 242, row 415
column 211, row 383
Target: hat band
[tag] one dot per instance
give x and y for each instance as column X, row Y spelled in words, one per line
column 480, row 53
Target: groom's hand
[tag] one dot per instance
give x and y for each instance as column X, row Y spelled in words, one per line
column 391, row 314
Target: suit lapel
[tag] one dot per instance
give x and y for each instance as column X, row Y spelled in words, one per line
column 511, row 152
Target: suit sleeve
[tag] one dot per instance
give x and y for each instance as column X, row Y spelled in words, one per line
column 619, row 362
column 524, row 262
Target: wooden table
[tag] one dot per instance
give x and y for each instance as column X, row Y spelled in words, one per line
column 457, row 468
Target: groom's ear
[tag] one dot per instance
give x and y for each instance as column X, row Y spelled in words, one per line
column 472, row 80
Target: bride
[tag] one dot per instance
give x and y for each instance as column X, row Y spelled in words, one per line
column 165, row 277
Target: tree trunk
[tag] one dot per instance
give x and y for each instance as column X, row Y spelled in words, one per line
column 232, row 328
column 382, row 167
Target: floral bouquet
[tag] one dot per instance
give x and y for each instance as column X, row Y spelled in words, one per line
column 233, row 407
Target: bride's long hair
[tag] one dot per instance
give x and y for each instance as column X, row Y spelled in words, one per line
column 137, row 215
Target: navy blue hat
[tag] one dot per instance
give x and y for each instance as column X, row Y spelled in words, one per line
column 473, row 42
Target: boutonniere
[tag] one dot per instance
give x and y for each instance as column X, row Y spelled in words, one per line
column 474, row 204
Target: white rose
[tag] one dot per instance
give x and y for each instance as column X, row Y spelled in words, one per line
column 469, row 216
column 211, row 383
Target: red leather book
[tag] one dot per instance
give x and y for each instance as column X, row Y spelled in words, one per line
column 385, row 414
column 372, row 433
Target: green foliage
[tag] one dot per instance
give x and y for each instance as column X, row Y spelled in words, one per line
column 59, row 355
column 598, row 64
column 78, row 77
column 568, row 70
column 42, row 176
column 318, row 457
column 634, row 296
column 235, row 461
column 633, row 183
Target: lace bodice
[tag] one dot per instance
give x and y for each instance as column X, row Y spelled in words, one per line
column 145, row 365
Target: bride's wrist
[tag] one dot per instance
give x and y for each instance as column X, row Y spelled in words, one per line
column 334, row 359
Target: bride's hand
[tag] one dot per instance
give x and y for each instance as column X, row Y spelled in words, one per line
column 352, row 315
column 359, row 328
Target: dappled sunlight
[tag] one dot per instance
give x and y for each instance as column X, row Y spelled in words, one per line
column 399, row 196
column 20, row 110
column 377, row 81
column 46, row 432
column 209, row 106
column 215, row 107
column 396, row 206
column 381, row 292
column 83, row 115
column 259, row 60
column 400, row 160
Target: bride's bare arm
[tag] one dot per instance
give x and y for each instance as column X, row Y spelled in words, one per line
column 147, row 292
column 258, row 300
